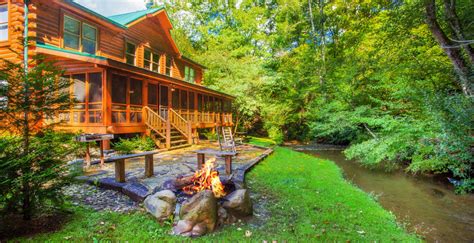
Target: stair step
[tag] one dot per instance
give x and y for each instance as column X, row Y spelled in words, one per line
column 179, row 141
column 179, row 146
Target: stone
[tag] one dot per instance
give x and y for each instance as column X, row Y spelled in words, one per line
column 169, row 185
column 166, row 195
column 199, row 229
column 136, row 191
column 110, row 183
column 183, row 227
column 200, row 209
column 161, row 204
column 238, row 203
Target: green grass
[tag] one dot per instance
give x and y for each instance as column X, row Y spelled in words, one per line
column 307, row 199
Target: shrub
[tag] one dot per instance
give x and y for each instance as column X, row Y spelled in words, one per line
column 42, row 168
column 128, row 146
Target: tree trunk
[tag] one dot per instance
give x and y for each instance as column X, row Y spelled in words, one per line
column 453, row 21
column 454, row 53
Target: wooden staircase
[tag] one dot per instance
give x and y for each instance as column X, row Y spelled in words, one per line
column 168, row 129
column 227, row 142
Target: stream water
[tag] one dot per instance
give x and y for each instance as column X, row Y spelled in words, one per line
column 428, row 206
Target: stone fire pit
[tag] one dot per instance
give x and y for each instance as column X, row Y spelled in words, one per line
column 163, row 196
column 217, row 204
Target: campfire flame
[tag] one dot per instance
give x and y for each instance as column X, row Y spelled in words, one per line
column 206, row 179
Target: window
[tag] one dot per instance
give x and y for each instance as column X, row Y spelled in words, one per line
column 4, row 22
column 169, row 63
column 89, row 38
column 151, row 60
column 3, row 94
column 130, row 53
column 189, row 74
column 72, row 31
column 79, row 36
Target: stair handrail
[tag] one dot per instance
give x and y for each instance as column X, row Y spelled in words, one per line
column 181, row 124
column 155, row 121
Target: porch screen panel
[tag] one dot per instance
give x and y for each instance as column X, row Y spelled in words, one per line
column 79, row 93
column 163, row 95
column 199, row 102
column 119, row 99
column 136, row 100
column 184, row 100
column 95, row 98
column 153, row 96
column 191, row 101
column 175, row 99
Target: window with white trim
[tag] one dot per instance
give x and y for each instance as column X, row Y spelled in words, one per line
column 130, row 51
column 151, row 60
column 4, row 22
column 189, row 74
column 79, row 36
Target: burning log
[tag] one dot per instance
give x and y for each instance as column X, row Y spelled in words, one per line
column 207, row 178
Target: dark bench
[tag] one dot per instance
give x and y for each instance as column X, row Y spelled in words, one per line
column 120, row 164
column 226, row 154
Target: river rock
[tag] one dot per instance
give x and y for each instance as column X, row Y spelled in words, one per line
column 183, row 227
column 200, row 209
column 166, row 195
column 161, row 204
column 238, row 203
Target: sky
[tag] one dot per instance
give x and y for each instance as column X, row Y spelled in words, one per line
column 113, row 7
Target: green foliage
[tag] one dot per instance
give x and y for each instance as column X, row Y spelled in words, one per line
column 32, row 158
column 137, row 143
column 307, row 198
column 360, row 73
column 210, row 135
column 43, row 168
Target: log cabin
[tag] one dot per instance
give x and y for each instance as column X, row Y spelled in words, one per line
column 126, row 72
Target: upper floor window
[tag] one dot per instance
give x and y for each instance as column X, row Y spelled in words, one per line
column 189, row 74
column 151, row 60
column 130, row 53
column 169, row 64
column 4, row 22
column 79, row 36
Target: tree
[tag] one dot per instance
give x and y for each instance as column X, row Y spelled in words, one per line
column 31, row 155
column 453, row 48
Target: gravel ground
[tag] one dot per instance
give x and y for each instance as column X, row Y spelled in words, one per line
column 99, row 199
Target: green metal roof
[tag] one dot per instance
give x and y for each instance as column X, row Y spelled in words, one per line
column 127, row 18
column 55, row 48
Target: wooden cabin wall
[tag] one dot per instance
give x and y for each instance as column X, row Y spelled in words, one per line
column 12, row 48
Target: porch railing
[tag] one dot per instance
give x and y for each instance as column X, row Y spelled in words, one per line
column 155, row 121
column 181, row 124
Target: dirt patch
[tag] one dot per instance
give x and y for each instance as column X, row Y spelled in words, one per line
column 13, row 226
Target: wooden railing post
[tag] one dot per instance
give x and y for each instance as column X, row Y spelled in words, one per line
column 190, row 133
column 168, row 131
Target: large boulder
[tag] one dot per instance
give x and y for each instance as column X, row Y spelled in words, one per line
column 238, row 203
column 198, row 215
column 161, row 204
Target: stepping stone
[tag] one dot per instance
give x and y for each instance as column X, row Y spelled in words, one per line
column 136, row 191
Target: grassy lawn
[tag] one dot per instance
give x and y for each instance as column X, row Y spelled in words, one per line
column 306, row 197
